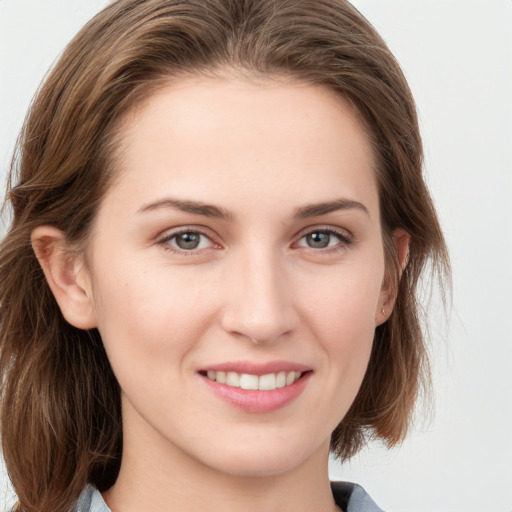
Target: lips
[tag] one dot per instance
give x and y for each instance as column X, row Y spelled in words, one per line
column 257, row 388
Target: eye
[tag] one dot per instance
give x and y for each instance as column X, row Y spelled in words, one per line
column 323, row 239
column 186, row 241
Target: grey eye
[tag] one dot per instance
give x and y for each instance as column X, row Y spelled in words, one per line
column 188, row 241
column 318, row 239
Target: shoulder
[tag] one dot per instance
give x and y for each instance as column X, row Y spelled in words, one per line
column 91, row 501
column 353, row 498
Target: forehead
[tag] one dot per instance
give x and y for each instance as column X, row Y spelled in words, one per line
column 229, row 138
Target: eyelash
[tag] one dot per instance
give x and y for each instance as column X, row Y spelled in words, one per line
column 166, row 239
column 344, row 240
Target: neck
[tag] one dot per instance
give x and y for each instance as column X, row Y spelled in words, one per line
column 161, row 478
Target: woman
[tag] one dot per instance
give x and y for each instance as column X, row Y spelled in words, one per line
column 219, row 222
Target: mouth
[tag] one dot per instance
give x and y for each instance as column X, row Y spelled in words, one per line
column 257, row 388
column 267, row 382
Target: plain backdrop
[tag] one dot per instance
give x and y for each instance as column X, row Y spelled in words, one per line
column 457, row 56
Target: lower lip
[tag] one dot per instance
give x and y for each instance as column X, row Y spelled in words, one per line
column 256, row 401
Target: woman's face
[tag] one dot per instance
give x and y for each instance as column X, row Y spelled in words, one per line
column 240, row 247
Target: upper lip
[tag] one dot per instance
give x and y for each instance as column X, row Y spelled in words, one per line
column 253, row 368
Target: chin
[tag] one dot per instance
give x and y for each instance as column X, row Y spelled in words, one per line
column 255, row 468
column 255, row 461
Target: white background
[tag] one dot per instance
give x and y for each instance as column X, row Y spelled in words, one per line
column 457, row 55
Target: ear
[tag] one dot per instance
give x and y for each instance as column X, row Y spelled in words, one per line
column 389, row 290
column 67, row 276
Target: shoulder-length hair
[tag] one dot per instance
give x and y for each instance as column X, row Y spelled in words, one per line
column 61, row 412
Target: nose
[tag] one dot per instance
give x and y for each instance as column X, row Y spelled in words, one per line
column 259, row 305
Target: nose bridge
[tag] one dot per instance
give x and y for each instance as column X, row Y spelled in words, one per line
column 260, row 303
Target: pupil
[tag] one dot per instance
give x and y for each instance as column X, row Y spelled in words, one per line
column 188, row 240
column 318, row 240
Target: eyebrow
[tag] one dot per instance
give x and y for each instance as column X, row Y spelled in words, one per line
column 315, row 210
column 210, row 210
column 195, row 207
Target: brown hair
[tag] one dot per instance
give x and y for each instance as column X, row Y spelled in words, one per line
column 61, row 413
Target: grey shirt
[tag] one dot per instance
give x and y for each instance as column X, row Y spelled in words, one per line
column 349, row 497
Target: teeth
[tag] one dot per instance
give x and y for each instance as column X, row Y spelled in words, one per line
column 281, row 380
column 233, row 379
column 248, row 381
column 267, row 382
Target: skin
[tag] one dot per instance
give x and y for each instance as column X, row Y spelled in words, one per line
column 254, row 289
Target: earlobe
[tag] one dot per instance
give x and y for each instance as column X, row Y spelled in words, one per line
column 389, row 289
column 67, row 278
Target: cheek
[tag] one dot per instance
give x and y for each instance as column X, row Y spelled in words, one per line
column 145, row 315
column 340, row 312
column 345, row 300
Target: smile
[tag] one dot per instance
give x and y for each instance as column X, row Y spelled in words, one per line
column 249, row 381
